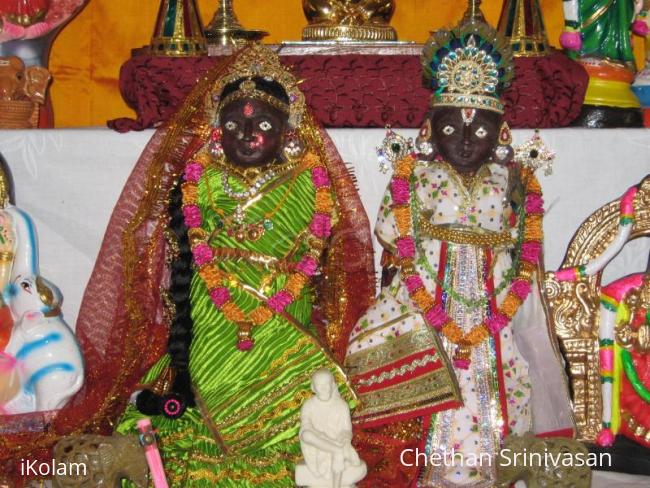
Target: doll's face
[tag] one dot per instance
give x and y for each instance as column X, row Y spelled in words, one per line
column 252, row 132
column 465, row 137
column 322, row 385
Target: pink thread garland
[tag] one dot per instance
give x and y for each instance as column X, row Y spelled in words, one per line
column 193, row 172
column 307, row 266
column 406, row 247
column 530, row 252
column 496, row 323
column 321, row 225
column 461, row 363
column 413, row 283
column 521, row 288
column 534, row 203
column 192, row 215
column 280, row 301
column 245, row 345
column 202, row 254
column 436, row 317
column 400, row 191
column 319, row 177
column 220, row 296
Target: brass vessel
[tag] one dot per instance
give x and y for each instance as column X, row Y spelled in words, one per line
column 224, row 29
column 348, row 20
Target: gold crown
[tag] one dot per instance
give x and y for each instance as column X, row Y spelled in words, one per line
column 258, row 61
column 467, row 66
column 470, row 77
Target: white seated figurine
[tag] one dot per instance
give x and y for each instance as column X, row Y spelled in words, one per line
column 330, row 461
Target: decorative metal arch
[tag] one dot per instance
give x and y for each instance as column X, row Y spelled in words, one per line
column 574, row 306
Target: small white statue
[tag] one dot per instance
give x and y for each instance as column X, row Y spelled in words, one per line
column 47, row 356
column 330, row 461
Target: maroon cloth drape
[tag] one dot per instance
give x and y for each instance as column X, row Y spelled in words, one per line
column 359, row 90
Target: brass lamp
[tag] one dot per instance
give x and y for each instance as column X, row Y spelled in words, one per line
column 224, row 28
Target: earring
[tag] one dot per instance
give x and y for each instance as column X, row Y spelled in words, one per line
column 504, row 152
column 294, row 147
column 423, row 143
column 214, row 146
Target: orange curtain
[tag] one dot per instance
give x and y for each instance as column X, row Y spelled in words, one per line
column 87, row 55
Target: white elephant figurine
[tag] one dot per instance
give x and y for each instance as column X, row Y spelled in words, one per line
column 47, row 356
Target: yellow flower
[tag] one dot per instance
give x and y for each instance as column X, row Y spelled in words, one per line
column 510, row 305
column 533, row 230
column 477, row 335
column 261, row 315
column 296, row 283
column 404, row 167
column 211, row 275
column 532, row 185
column 423, row 299
column 452, row 332
column 402, row 215
column 324, row 202
column 233, row 313
column 190, row 193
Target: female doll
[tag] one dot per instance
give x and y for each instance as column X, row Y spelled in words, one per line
column 258, row 206
column 601, row 28
column 444, row 360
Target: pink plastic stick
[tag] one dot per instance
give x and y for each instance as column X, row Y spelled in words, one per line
column 152, row 454
column 606, row 359
column 627, row 201
column 568, row 274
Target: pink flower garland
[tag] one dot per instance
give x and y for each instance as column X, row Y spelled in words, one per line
column 320, row 227
column 436, row 316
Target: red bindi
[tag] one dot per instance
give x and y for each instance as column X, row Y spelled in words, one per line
column 249, row 111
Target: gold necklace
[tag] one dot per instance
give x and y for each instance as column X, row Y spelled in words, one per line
column 235, row 225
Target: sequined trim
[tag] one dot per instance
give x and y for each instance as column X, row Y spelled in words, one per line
column 401, row 371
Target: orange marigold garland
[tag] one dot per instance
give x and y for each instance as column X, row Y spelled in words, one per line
column 434, row 314
column 216, row 280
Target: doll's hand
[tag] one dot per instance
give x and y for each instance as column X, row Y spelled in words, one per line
column 640, row 28
column 571, row 40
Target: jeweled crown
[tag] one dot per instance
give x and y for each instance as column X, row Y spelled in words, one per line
column 259, row 61
column 469, row 65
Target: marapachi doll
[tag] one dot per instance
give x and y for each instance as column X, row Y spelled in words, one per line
column 456, row 353
column 264, row 253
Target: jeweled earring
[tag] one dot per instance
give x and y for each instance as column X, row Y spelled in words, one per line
column 423, row 144
column 294, row 147
column 504, row 151
column 214, row 146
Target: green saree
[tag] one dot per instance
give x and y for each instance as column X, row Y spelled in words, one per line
column 605, row 27
column 244, row 430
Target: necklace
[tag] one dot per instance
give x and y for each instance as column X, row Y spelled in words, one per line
column 251, row 191
column 401, row 188
column 219, row 284
column 235, row 224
